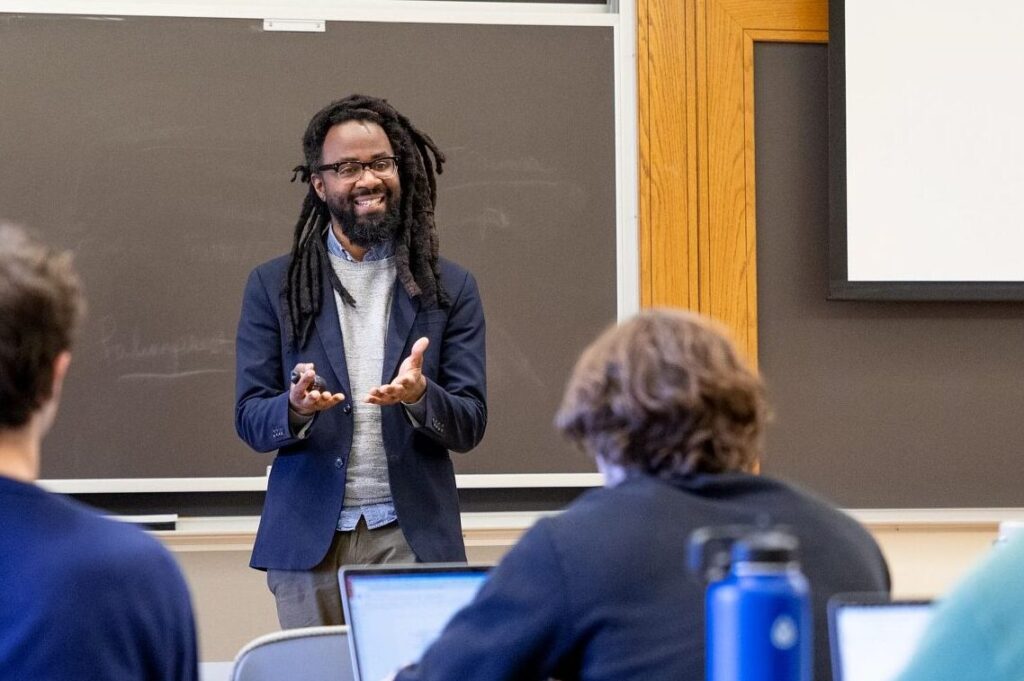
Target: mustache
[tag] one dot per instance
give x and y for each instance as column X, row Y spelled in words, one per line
column 360, row 193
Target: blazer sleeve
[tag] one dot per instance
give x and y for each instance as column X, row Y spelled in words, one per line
column 519, row 626
column 456, row 402
column 261, row 398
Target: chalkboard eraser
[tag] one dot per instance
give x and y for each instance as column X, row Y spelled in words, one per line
column 295, row 25
column 160, row 521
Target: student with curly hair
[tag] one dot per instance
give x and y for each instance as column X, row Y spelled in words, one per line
column 674, row 419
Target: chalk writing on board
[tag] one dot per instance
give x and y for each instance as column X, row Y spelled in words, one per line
column 528, row 165
column 487, row 220
column 519, row 184
column 171, row 376
column 171, row 353
column 198, row 249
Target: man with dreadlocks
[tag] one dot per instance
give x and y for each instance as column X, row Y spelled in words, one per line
column 360, row 358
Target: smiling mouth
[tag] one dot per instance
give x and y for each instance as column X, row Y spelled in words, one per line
column 369, row 201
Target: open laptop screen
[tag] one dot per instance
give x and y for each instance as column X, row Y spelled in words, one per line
column 395, row 613
column 873, row 639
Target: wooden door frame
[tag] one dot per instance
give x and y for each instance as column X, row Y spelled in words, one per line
column 695, row 61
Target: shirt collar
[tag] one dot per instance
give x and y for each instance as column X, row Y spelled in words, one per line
column 377, row 252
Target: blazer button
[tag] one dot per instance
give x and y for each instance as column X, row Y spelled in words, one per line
column 338, row 463
column 347, row 409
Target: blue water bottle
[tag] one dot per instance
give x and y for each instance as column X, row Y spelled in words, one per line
column 758, row 611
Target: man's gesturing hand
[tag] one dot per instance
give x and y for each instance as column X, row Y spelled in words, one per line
column 305, row 401
column 409, row 385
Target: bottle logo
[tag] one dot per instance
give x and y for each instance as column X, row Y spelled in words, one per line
column 784, row 633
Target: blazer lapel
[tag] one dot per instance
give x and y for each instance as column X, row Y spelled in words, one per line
column 328, row 329
column 403, row 314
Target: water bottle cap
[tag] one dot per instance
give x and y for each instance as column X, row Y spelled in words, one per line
column 765, row 547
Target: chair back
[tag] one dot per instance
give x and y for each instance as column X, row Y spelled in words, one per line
column 311, row 654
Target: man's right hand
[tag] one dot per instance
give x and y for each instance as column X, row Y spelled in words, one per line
column 306, row 402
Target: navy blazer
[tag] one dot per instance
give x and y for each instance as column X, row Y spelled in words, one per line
column 306, row 489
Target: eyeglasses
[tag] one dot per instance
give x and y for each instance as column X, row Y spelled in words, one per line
column 383, row 168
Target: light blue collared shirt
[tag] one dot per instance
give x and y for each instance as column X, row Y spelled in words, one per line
column 376, row 252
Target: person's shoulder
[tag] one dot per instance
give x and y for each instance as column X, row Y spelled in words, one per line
column 55, row 515
column 273, row 267
column 454, row 273
column 94, row 552
column 451, row 267
column 458, row 282
column 798, row 495
column 635, row 489
column 803, row 503
column 268, row 276
column 596, row 509
column 822, row 521
column 994, row 578
column 109, row 544
column 610, row 522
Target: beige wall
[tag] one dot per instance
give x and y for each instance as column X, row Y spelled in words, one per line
column 233, row 606
column 928, row 561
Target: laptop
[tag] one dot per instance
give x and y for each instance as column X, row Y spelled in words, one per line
column 395, row 612
column 871, row 637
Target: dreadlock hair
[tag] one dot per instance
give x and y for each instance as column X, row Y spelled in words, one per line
column 416, row 242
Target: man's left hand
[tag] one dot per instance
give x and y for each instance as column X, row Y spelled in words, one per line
column 409, row 385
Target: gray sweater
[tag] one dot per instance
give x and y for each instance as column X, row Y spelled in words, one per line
column 364, row 328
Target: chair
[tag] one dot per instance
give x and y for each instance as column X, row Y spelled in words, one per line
column 312, row 654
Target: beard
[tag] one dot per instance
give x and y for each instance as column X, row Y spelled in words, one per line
column 366, row 231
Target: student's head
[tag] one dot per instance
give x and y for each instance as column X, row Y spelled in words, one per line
column 40, row 307
column 369, row 207
column 665, row 393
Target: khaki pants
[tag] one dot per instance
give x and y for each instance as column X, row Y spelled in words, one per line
column 307, row 598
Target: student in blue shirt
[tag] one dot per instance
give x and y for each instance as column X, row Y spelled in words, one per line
column 81, row 597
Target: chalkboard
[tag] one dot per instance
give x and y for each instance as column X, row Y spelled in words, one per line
column 877, row 404
column 159, row 150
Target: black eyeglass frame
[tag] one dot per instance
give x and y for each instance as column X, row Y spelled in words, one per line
column 336, row 167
